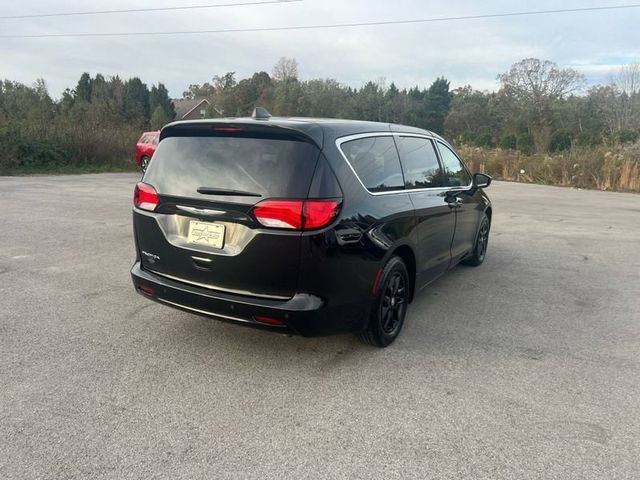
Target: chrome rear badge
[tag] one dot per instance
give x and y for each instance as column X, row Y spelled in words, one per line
column 200, row 211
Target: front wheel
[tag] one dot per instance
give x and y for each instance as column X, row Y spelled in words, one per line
column 482, row 241
column 389, row 306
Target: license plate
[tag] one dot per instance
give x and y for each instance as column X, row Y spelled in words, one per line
column 203, row 233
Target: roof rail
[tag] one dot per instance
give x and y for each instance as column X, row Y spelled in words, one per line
column 260, row 113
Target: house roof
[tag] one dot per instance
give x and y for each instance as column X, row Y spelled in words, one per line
column 185, row 106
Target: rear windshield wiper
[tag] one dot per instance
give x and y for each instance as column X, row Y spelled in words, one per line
column 225, row 191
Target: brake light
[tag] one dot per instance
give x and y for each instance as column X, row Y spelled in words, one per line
column 296, row 214
column 280, row 213
column 227, row 129
column 145, row 197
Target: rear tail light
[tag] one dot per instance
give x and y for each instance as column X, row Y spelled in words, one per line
column 145, row 197
column 280, row 213
column 318, row 213
column 296, row 214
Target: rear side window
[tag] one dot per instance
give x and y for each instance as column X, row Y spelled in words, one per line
column 375, row 161
column 271, row 168
column 324, row 183
column 457, row 175
column 419, row 163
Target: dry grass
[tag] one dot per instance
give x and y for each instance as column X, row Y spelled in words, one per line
column 602, row 168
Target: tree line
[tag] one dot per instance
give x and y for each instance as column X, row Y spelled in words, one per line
column 539, row 108
column 94, row 124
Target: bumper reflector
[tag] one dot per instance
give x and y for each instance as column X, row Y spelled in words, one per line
column 269, row 321
column 146, row 290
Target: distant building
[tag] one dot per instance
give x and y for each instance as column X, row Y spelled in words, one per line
column 190, row 109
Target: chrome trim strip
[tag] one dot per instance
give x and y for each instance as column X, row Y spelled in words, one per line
column 202, row 259
column 212, row 287
column 199, row 211
column 206, row 312
column 348, row 138
column 341, row 140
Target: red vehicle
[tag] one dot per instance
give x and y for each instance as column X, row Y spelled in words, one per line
column 145, row 148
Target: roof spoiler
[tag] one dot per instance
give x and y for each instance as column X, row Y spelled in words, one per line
column 240, row 127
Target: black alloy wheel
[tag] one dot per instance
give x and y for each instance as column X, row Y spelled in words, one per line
column 389, row 305
column 394, row 303
column 481, row 244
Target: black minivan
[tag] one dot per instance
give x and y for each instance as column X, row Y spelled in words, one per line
column 315, row 226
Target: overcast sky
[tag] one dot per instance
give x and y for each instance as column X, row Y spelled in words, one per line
column 466, row 52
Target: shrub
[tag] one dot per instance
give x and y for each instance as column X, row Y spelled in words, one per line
column 21, row 151
column 485, row 140
column 582, row 167
column 508, row 142
column 584, row 139
column 627, row 136
column 10, row 140
column 525, row 143
column 560, row 140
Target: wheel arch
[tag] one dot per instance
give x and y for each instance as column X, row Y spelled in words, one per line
column 406, row 253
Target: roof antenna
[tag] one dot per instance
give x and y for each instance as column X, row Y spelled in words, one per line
column 260, row 113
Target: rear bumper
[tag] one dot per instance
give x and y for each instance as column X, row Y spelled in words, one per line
column 304, row 313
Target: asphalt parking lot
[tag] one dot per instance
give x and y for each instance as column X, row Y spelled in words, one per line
column 526, row 367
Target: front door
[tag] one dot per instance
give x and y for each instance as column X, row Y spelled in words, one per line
column 466, row 206
column 435, row 218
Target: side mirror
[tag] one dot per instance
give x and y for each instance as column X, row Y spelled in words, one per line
column 480, row 180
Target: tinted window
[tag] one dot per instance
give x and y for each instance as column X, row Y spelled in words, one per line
column 324, row 183
column 375, row 160
column 269, row 167
column 419, row 163
column 457, row 175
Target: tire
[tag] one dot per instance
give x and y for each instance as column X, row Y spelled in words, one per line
column 389, row 306
column 480, row 246
column 144, row 163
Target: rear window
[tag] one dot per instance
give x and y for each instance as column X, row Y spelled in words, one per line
column 268, row 167
column 375, row 161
